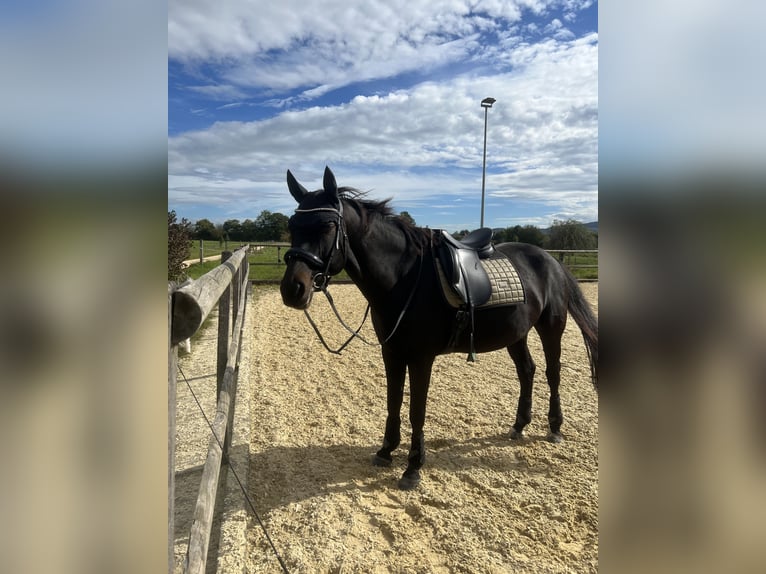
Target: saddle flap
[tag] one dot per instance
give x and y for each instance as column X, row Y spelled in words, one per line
column 478, row 288
column 450, row 262
column 463, row 270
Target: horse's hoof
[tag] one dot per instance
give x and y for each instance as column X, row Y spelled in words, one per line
column 516, row 435
column 378, row 460
column 409, row 482
column 554, row 437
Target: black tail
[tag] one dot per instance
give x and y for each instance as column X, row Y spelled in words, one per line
column 583, row 315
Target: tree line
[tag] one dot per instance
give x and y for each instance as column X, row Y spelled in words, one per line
column 267, row 226
column 569, row 234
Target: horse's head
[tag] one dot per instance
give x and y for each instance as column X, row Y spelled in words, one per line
column 318, row 241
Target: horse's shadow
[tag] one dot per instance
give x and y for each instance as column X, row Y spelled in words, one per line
column 279, row 476
column 284, row 475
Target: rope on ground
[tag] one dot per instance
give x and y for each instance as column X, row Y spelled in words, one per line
column 236, row 476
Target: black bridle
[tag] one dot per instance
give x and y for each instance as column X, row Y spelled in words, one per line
column 320, row 278
column 320, row 270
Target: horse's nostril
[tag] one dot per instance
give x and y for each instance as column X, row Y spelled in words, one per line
column 298, row 289
column 293, row 291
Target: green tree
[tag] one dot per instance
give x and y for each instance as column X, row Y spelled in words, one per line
column 280, row 227
column 179, row 236
column 249, row 230
column 530, row 234
column 205, row 229
column 570, row 234
column 232, row 229
column 521, row 234
column 501, row 236
column 271, row 226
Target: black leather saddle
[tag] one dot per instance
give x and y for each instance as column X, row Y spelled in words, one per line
column 460, row 261
column 461, row 264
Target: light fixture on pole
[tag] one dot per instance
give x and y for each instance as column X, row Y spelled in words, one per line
column 486, row 103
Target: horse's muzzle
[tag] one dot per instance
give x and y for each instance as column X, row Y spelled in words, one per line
column 297, row 287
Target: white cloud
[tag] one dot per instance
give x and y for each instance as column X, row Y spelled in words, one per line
column 326, row 66
column 422, row 143
column 556, row 29
column 320, row 45
column 218, row 92
column 419, row 143
column 240, row 28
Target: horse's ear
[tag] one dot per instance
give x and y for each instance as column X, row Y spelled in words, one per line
column 329, row 184
column 296, row 189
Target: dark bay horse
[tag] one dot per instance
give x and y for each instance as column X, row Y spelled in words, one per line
column 392, row 264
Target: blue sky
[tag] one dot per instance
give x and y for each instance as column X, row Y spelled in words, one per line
column 387, row 94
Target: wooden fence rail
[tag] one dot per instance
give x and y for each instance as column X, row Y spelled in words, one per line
column 569, row 258
column 188, row 307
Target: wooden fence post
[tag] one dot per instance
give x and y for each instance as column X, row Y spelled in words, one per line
column 201, row 251
column 223, row 330
column 240, row 303
column 235, row 285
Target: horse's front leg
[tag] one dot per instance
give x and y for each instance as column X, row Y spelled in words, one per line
column 396, row 370
column 420, row 379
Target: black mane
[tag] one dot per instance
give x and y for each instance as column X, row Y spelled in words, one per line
column 369, row 210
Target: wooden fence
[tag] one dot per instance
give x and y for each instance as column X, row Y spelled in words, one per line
column 577, row 258
column 266, row 259
column 188, row 307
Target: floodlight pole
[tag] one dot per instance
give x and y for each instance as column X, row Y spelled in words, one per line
column 486, row 103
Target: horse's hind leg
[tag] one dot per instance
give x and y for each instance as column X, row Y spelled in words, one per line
column 396, row 371
column 551, row 330
column 525, row 368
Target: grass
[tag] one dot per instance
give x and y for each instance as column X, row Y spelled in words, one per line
column 572, row 260
column 265, row 265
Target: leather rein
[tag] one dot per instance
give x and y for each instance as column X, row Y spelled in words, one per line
column 321, row 275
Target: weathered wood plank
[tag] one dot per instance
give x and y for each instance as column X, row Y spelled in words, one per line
column 224, row 326
column 238, row 326
column 193, row 303
column 199, row 538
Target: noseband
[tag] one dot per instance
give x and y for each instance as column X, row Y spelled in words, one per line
column 320, row 270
